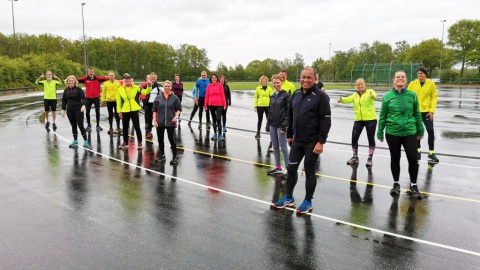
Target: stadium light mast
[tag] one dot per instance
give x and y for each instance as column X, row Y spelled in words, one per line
column 441, row 53
column 84, row 41
column 14, row 36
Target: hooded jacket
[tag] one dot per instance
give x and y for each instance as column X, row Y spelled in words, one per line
column 427, row 94
column 215, row 96
column 278, row 109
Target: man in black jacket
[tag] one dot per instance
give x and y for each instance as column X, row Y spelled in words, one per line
column 309, row 122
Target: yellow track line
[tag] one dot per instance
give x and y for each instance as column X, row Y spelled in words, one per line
column 317, row 174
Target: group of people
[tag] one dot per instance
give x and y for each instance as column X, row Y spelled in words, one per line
column 212, row 96
column 405, row 110
column 300, row 118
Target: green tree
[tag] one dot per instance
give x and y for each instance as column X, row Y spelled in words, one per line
column 427, row 52
column 401, row 50
column 463, row 37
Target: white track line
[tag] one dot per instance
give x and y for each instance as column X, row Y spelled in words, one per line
column 465, row 251
column 349, row 151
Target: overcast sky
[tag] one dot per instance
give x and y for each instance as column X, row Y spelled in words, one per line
column 239, row 31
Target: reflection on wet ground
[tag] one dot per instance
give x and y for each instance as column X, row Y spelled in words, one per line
column 114, row 208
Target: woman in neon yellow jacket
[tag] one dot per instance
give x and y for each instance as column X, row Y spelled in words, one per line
column 261, row 103
column 365, row 116
column 128, row 99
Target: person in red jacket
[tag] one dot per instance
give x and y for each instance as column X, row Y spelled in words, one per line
column 215, row 102
column 92, row 93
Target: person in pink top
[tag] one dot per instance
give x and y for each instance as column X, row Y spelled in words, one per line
column 215, row 102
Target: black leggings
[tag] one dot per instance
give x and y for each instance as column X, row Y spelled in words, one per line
column 75, row 117
column 216, row 112
column 111, row 107
column 431, row 134
column 148, row 116
column 224, row 117
column 171, row 139
column 260, row 112
column 409, row 145
column 136, row 125
column 201, row 103
column 358, row 126
column 297, row 152
column 96, row 102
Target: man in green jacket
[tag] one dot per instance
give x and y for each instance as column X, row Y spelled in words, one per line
column 427, row 96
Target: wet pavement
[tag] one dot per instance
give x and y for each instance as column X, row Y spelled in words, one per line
column 119, row 209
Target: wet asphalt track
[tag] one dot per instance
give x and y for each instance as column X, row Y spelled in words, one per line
column 114, row 209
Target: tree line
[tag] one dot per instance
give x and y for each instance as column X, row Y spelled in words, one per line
column 23, row 59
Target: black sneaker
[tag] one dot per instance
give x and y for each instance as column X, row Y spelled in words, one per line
column 161, row 158
column 431, row 158
column 47, row 126
column 174, row 161
column 99, row 128
column 419, row 155
column 55, row 128
column 189, row 122
column 415, row 193
column 257, row 136
column 110, row 131
column 353, row 160
column 395, row 191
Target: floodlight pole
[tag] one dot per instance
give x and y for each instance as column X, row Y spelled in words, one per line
column 441, row 53
column 84, row 42
column 14, row 36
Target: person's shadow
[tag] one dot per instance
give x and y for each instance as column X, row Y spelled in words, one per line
column 77, row 182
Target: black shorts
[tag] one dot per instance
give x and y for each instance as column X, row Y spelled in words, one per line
column 50, row 105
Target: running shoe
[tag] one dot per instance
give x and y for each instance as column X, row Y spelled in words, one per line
column 369, row 162
column 189, row 122
column 161, row 158
column 110, row 131
column 257, row 136
column 208, row 125
column 124, row 145
column 305, row 207
column 419, row 155
column 99, row 128
column 47, row 126
column 221, row 138
column 74, row 144
column 120, row 132
column 86, row 144
column 353, row 160
column 274, row 171
column 415, row 193
column 395, row 191
column 214, row 137
column 285, row 201
column 149, row 135
column 140, row 146
column 270, row 149
column 89, row 128
column 54, row 127
column 224, row 129
column 431, row 158
column 174, row 161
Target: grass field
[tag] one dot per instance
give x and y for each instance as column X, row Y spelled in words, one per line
column 253, row 86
